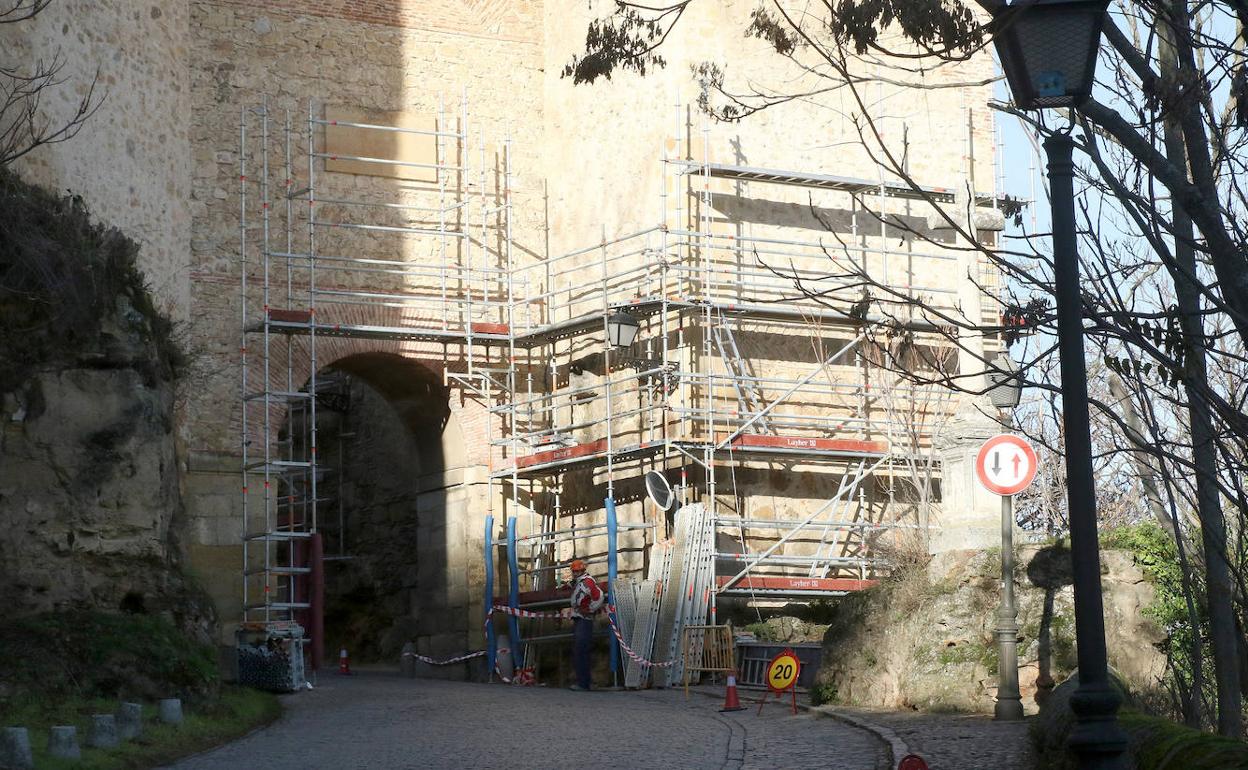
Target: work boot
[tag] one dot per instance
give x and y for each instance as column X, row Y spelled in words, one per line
column 578, row 688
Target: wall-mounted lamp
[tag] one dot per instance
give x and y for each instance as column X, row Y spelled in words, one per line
column 622, row 329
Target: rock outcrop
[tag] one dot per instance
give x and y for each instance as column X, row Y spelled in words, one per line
column 89, row 490
column 925, row 639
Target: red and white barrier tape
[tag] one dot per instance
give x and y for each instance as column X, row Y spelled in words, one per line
column 447, row 662
column 628, row 651
column 567, row 612
column 523, row 677
column 503, row 608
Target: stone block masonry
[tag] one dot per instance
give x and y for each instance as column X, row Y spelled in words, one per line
column 162, row 161
column 131, row 161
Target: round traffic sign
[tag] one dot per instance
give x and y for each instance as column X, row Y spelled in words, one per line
column 782, row 671
column 1006, row 464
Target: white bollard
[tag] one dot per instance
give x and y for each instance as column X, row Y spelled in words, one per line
column 15, row 749
column 170, row 711
column 103, row 732
column 63, row 742
column 130, row 721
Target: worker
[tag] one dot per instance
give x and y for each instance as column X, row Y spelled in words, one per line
column 587, row 599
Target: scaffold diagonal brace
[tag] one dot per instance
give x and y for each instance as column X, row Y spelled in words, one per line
column 800, row 384
column 845, row 489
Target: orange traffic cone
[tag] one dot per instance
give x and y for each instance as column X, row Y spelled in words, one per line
column 731, row 701
column 344, row 663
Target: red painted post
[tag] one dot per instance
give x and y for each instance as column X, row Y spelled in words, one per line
column 317, row 631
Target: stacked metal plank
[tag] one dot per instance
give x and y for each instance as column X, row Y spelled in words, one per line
column 626, row 615
column 649, row 593
column 689, row 582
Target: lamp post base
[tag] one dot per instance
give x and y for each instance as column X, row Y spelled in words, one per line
column 1009, row 706
column 1096, row 737
column 1008, row 710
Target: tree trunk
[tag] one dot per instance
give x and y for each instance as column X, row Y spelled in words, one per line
column 1218, row 585
column 1143, row 468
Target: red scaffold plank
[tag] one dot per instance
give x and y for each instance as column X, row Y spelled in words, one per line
column 565, row 453
column 480, row 327
column 798, row 583
column 290, row 316
column 818, row 444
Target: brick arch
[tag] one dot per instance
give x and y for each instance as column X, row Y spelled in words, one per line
column 384, row 364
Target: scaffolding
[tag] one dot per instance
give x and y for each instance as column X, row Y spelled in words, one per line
column 320, row 260
column 754, row 357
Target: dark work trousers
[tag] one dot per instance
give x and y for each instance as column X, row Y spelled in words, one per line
column 582, row 641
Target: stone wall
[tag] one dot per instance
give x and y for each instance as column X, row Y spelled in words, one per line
column 131, row 160
column 926, row 638
column 605, row 141
column 90, row 499
column 418, row 58
column 586, row 164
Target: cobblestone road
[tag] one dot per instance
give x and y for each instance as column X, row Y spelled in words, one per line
column 957, row 741
column 383, row 721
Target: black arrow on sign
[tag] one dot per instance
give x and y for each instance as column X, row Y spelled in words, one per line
column 996, row 463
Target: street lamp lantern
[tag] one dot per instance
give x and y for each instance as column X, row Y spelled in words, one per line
column 1048, row 49
column 621, row 329
column 1004, row 388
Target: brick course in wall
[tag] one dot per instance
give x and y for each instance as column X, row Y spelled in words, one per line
column 498, row 19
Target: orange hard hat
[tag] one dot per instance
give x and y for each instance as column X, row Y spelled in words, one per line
column 577, row 565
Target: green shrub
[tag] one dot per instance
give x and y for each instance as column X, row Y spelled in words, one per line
column 1154, row 550
column 823, row 693
column 69, row 284
column 206, row 724
column 89, row 654
column 761, row 631
column 1159, row 744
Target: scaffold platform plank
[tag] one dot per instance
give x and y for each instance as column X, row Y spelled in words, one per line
column 804, row 584
column 363, row 331
column 485, row 333
column 855, row 446
column 819, row 181
column 556, row 460
column 891, row 189
column 563, row 453
column 290, row 316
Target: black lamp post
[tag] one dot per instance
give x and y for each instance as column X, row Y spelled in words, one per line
column 1048, row 49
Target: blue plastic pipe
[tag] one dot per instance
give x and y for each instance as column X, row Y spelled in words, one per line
column 612, row 568
column 513, row 596
column 490, row 644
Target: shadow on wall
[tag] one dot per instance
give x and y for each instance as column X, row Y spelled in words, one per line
column 381, row 423
column 842, row 221
column 1050, row 571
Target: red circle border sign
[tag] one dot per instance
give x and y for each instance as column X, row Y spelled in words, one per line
column 797, row 670
column 981, row 459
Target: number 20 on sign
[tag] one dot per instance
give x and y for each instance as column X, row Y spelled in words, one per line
column 782, row 674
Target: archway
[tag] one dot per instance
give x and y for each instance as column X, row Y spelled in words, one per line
column 386, row 438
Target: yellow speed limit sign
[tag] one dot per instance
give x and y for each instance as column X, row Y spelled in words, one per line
column 782, row 671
